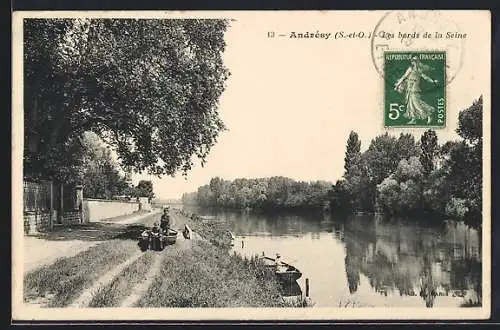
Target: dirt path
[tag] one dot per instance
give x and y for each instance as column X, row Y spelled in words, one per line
column 139, row 290
column 86, row 296
column 39, row 252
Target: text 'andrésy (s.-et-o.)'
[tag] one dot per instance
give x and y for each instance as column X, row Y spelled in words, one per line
column 366, row 35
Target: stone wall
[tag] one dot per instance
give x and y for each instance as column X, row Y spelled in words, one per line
column 37, row 222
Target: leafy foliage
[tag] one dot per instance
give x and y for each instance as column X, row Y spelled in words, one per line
column 352, row 159
column 101, row 175
column 263, row 193
column 402, row 191
column 399, row 176
column 148, row 87
column 144, row 189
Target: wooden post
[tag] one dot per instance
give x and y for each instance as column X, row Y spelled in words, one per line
column 307, row 288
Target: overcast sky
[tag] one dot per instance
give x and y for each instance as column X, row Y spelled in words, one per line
column 289, row 104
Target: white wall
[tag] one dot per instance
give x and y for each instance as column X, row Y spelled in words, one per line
column 144, row 204
column 100, row 209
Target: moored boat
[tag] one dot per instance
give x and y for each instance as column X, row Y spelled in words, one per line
column 284, row 271
column 171, row 237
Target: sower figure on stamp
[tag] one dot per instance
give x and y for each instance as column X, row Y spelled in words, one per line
column 409, row 84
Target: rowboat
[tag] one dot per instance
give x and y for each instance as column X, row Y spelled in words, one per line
column 285, row 272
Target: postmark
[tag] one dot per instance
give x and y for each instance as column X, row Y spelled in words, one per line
column 419, row 31
column 414, row 89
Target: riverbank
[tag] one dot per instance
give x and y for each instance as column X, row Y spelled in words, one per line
column 190, row 273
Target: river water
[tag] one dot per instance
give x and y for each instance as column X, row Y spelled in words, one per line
column 365, row 260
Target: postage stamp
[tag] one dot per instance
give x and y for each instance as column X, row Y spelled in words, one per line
column 415, row 89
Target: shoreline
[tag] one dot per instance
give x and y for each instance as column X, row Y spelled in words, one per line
column 199, row 272
column 210, row 231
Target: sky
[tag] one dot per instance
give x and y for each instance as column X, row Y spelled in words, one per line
column 290, row 104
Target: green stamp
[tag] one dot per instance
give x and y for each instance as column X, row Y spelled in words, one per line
column 415, row 89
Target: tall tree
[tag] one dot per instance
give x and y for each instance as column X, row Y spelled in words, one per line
column 352, row 155
column 406, row 146
column 430, row 149
column 148, row 87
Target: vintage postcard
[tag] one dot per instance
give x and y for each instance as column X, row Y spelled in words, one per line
column 251, row 165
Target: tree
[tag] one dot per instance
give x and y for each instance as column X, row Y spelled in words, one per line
column 429, row 146
column 145, row 189
column 406, row 146
column 352, row 155
column 148, row 87
column 101, row 175
column 401, row 192
column 382, row 157
column 470, row 123
column 456, row 187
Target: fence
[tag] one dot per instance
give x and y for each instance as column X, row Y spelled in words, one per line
column 47, row 203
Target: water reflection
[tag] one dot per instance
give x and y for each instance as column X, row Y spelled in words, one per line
column 406, row 258
column 384, row 262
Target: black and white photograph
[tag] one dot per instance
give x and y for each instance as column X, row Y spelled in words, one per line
column 239, row 165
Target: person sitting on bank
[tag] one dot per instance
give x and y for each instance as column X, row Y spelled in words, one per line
column 165, row 220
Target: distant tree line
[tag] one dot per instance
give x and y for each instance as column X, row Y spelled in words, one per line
column 274, row 193
column 398, row 175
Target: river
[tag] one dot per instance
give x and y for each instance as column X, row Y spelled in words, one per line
column 365, row 260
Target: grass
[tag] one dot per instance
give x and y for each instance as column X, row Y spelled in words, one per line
column 65, row 279
column 203, row 275
column 121, row 286
column 207, row 276
column 210, row 230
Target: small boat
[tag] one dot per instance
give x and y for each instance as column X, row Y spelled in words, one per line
column 151, row 241
column 284, row 273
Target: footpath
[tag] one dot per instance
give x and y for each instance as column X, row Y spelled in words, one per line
column 46, row 249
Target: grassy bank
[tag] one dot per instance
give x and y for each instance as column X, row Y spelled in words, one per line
column 207, row 276
column 65, row 279
column 209, row 230
column 190, row 273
